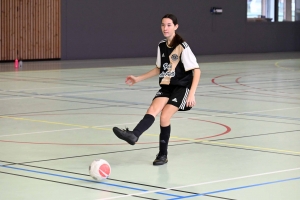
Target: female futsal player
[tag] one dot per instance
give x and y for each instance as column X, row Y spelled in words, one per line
column 179, row 75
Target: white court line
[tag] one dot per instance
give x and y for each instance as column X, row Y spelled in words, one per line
column 100, row 92
column 279, row 81
column 115, row 124
column 40, row 132
column 184, row 118
column 212, row 85
column 249, row 83
column 221, row 115
column 129, row 90
column 133, row 90
column 62, row 95
column 239, row 113
column 94, row 85
column 48, row 96
column 20, row 90
column 249, row 61
column 17, row 98
column 204, row 183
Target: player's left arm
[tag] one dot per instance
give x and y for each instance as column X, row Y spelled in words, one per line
column 191, row 100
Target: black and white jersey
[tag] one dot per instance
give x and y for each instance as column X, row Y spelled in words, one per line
column 176, row 64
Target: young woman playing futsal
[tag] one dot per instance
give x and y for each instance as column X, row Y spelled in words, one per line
column 179, row 75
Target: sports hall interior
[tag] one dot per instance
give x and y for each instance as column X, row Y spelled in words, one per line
column 63, row 65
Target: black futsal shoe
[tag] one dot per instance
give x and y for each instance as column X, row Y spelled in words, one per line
column 160, row 160
column 126, row 135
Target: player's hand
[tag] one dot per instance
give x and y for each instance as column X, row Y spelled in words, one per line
column 191, row 102
column 130, row 80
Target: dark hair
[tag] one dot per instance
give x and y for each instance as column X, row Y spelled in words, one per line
column 177, row 38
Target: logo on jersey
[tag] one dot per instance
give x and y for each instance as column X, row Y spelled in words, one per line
column 163, row 55
column 175, row 100
column 158, row 94
column 174, row 57
column 167, row 74
column 167, row 66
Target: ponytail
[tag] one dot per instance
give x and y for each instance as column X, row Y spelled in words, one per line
column 176, row 40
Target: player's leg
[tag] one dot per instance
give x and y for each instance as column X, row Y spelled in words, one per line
column 154, row 109
column 132, row 136
column 165, row 131
column 177, row 101
column 157, row 105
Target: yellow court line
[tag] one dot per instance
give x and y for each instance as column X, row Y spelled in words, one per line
column 49, row 122
column 238, row 145
column 279, row 66
column 156, row 135
column 252, row 147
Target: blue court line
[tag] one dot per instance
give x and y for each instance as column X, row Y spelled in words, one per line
column 105, row 100
column 86, row 180
column 78, row 92
column 198, row 109
column 237, row 188
column 147, row 104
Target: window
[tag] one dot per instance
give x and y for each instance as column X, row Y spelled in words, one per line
column 254, row 8
column 286, row 10
column 260, row 10
column 265, row 10
column 293, row 11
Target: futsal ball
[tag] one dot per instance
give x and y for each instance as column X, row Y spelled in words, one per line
column 99, row 169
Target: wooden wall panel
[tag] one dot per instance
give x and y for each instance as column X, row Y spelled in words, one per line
column 30, row 29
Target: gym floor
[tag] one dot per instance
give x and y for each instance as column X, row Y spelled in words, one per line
column 240, row 142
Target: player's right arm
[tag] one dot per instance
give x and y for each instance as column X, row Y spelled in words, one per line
column 130, row 80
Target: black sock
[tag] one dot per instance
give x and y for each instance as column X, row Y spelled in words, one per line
column 143, row 125
column 164, row 139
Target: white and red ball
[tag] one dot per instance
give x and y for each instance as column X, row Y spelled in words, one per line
column 99, row 169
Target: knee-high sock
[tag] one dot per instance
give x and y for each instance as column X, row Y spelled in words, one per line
column 143, row 125
column 164, row 139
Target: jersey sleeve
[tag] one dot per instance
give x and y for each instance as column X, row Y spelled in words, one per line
column 188, row 59
column 158, row 59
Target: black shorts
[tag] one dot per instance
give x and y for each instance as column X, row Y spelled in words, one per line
column 177, row 96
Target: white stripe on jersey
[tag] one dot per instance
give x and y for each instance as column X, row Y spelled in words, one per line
column 185, row 44
column 158, row 58
column 182, row 105
column 162, row 41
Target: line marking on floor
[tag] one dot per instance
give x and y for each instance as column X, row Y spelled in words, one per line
column 239, row 145
column 237, row 188
column 286, row 68
column 206, row 183
column 18, row 134
column 86, row 180
column 156, row 135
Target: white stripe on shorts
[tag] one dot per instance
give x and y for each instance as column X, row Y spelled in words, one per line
column 184, row 99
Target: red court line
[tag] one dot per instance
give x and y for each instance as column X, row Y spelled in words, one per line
column 214, row 82
column 228, row 129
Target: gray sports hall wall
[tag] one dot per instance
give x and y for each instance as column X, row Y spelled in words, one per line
column 93, row 29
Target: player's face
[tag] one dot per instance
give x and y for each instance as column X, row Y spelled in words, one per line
column 168, row 28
